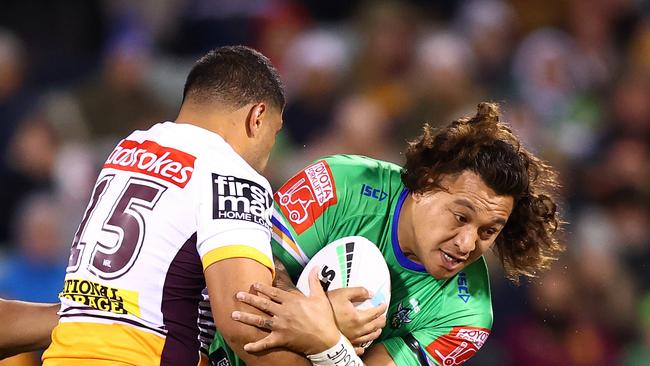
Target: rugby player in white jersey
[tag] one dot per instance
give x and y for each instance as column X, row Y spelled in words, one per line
column 176, row 208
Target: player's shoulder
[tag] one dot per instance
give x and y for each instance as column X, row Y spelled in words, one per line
column 351, row 167
column 359, row 162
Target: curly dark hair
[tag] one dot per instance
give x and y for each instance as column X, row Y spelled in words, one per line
column 530, row 240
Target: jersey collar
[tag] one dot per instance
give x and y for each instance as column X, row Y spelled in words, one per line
column 399, row 255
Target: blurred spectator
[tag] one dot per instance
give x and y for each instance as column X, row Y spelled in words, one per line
column 384, row 46
column 558, row 331
column 117, row 101
column 441, row 82
column 543, row 73
column 15, row 100
column 35, row 270
column 30, row 160
column 315, row 65
column 360, row 127
column 489, row 25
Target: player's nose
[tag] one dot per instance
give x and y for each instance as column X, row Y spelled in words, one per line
column 465, row 241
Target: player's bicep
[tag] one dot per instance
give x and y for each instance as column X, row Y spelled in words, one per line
column 224, row 279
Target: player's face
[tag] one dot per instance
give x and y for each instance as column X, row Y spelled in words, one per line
column 451, row 228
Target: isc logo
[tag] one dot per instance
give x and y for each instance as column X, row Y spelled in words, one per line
column 368, row 191
column 463, row 287
column 240, row 199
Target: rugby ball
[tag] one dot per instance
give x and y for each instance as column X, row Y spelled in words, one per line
column 352, row 261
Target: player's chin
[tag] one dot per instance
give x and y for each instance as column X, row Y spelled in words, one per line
column 439, row 272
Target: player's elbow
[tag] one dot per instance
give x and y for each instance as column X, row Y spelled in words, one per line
column 237, row 335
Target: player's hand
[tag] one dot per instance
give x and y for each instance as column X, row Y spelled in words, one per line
column 303, row 324
column 359, row 326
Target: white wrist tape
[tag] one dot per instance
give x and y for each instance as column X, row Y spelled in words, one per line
column 341, row 354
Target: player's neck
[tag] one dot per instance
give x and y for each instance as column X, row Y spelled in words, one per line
column 405, row 231
column 229, row 125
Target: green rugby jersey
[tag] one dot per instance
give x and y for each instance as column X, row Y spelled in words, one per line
column 429, row 321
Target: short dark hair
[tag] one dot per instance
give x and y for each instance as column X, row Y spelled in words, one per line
column 529, row 241
column 236, row 76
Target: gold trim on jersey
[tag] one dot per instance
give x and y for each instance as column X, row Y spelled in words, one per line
column 81, row 343
column 236, row 251
column 101, row 297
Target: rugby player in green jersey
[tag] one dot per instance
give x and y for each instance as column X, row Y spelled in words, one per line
column 465, row 189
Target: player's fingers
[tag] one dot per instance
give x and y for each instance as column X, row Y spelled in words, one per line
column 315, row 287
column 260, row 321
column 356, row 294
column 372, row 313
column 359, row 351
column 264, row 344
column 360, row 341
column 260, row 303
column 371, row 327
column 273, row 293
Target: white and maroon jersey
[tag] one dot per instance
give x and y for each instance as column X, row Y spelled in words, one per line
column 168, row 202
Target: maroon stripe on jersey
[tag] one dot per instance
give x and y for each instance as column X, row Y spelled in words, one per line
column 180, row 306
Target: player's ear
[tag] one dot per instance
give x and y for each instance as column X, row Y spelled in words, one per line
column 255, row 120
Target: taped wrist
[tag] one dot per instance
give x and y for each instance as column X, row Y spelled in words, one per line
column 340, row 354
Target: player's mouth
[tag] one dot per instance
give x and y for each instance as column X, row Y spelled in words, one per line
column 450, row 262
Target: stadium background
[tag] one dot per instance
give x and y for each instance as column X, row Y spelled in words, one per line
column 573, row 78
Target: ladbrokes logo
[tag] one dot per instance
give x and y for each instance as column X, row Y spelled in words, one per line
column 101, row 297
column 240, row 199
column 171, row 165
column 304, row 198
column 458, row 346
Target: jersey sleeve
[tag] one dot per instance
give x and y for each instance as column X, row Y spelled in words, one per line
column 304, row 214
column 462, row 327
column 234, row 214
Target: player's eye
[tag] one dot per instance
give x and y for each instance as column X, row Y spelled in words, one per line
column 461, row 218
column 490, row 232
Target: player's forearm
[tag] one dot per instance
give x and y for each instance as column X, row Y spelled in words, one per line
column 237, row 335
column 25, row 326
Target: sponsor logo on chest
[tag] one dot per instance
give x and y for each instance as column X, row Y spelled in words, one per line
column 304, row 198
column 166, row 163
column 240, row 199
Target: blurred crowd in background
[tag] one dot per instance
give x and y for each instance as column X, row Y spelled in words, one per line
column 572, row 77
